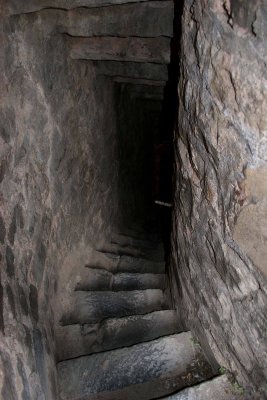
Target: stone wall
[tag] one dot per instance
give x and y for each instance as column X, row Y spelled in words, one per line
column 57, row 191
column 219, row 237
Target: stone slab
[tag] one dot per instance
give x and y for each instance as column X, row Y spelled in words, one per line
column 121, row 263
column 132, row 264
column 132, row 69
column 100, row 279
column 138, row 81
column 93, row 307
column 77, row 340
column 162, row 10
column 141, row 372
column 219, row 388
column 132, row 281
column 152, row 19
column 127, row 240
column 154, row 50
column 153, row 254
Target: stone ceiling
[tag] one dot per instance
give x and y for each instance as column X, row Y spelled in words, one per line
column 126, row 40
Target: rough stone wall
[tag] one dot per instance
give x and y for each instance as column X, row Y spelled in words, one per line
column 219, row 237
column 57, row 191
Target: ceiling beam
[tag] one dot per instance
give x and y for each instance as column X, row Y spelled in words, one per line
column 136, row 81
column 156, row 72
column 121, row 49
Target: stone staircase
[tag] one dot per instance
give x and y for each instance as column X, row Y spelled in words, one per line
column 119, row 338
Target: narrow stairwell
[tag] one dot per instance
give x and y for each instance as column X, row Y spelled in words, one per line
column 119, row 338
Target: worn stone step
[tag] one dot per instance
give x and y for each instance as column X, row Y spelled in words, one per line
column 77, row 340
column 93, row 307
column 132, row 264
column 153, row 254
column 147, row 249
column 219, row 388
column 114, row 248
column 141, row 372
column 125, row 240
column 100, row 279
column 134, row 281
column 136, row 232
column 120, row 263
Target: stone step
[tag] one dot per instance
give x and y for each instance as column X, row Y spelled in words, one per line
column 132, row 264
column 100, row 279
column 146, row 20
column 78, row 340
column 93, row 307
column 138, row 233
column 153, row 254
column 121, row 263
column 219, row 388
column 154, row 50
column 125, row 240
column 141, row 372
column 114, row 248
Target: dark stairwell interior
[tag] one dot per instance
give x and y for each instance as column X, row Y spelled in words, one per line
column 133, row 200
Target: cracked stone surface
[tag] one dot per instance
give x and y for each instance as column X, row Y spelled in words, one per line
column 50, row 160
column 76, row 340
column 219, row 228
column 140, row 372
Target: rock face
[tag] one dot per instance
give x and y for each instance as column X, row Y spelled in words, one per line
column 219, row 232
column 53, row 141
column 59, row 163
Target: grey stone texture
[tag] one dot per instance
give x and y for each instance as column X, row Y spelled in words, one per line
column 77, row 340
column 17, row 7
column 2, row 230
column 219, row 388
column 92, row 307
column 100, row 279
column 218, row 266
column 132, row 264
column 116, row 263
column 58, row 172
column 127, row 49
column 143, row 371
column 65, row 170
column 153, row 252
